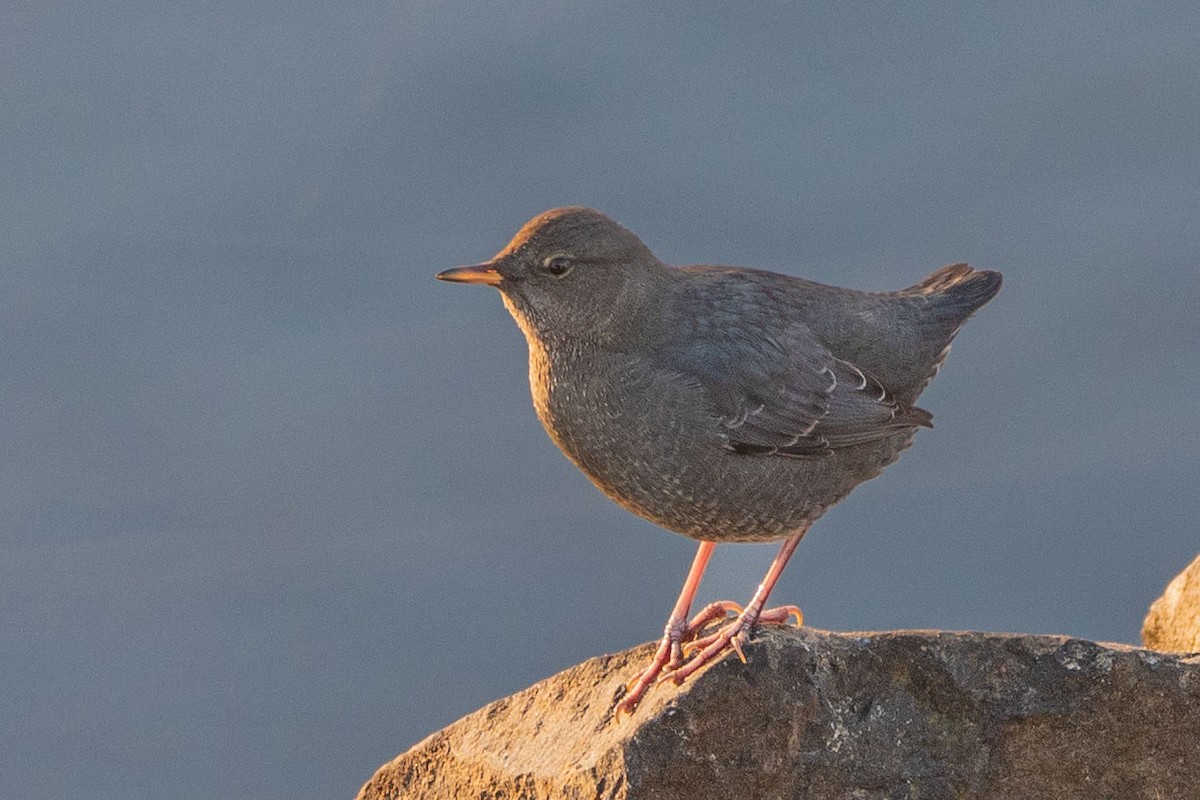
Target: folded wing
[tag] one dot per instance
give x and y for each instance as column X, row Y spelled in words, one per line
column 786, row 394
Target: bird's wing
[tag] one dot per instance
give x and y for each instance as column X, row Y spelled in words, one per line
column 787, row 394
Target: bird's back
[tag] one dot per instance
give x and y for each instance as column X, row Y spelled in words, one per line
column 900, row 338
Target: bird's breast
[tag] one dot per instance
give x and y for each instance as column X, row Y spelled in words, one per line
column 646, row 438
column 616, row 417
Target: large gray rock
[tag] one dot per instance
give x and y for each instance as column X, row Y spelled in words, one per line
column 816, row 715
column 1173, row 623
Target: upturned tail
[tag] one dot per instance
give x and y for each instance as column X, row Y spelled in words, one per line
column 943, row 302
column 957, row 290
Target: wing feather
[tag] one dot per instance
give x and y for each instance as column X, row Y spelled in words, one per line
column 786, row 394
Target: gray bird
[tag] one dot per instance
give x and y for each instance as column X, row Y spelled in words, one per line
column 723, row 403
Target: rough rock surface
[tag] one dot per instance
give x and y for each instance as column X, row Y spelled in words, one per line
column 1173, row 623
column 908, row 714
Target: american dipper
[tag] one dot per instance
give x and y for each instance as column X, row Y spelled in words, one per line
column 726, row 404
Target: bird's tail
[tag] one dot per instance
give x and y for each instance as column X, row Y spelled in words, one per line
column 956, row 290
column 941, row 303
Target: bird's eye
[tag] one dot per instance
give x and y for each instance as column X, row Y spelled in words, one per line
column 558, row 266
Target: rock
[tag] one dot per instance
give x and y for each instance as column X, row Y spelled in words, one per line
column 1173, row 623
column 816, row 715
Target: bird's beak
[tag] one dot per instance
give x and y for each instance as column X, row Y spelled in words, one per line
column 479, row 273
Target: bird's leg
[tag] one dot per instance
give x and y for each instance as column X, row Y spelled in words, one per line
column 677, row 631
column 737, row 632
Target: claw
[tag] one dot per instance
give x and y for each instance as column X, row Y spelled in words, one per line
column 726, row 607
column 623, row 711
column 781, row 616
column 689, row 648
column 736, row 644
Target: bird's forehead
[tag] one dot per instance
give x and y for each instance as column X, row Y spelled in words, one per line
column 522, row 240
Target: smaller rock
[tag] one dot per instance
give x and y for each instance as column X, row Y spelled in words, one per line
column 1173, row 623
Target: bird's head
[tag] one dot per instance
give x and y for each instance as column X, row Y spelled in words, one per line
column 570, row 274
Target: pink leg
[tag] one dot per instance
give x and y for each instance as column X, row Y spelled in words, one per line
column 736, row 633
column 670, row 653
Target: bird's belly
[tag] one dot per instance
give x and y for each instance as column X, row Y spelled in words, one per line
column 659, row 452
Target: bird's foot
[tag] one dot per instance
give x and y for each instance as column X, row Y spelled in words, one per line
column 669, row 655
column 733, row 636
column 679, row 642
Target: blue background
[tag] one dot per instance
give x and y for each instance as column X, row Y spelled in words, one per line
column 273, row 502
